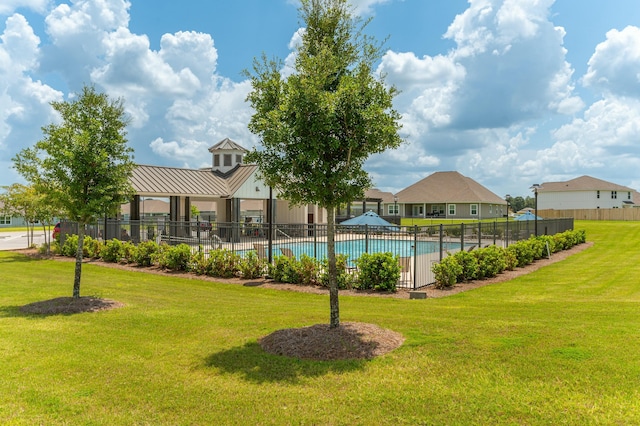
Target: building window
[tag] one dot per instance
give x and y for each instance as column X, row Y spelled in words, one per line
column 5, row 220
column 614, row 195
column 238, row 159
column 393, row 209
column 216, row 160
column 474, row 210
column 628, row 195
column 452, row 209
column 597, row 194
column 227, row 160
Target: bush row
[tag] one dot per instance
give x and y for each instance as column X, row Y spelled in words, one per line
column 377, row 271
column 490, row 261
column 220, row 263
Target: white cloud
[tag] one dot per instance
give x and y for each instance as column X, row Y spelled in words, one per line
column 131, row 63
column 7, row 7
column 508, row 67
column 365, row 7
column 615, row 65
column 22, row 100
column 604, row 141
column 19, row 48
column 184, row 151
column 172, row 94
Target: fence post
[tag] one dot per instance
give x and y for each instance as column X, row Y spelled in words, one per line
column 441, row 240
column 415, row 256
column 495, row 228
column 462, row 236
column 366, row 238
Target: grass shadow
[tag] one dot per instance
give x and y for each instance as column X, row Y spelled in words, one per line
column 12, row 312
column 60, row 306
column 15, row 257
column 255, row 365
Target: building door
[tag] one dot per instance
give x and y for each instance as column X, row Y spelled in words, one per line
column 310, row 224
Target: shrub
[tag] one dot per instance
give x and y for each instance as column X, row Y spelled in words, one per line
column 491, row 261
column 523, row 253
column 70, row 246
column 112, row 251
column 469, row 263
column 548, row 241
column 446, row 272
column 537, row 247
column 55, row 247
column 92, row 248
column 378, row 271
column 344, row 279
column 199, row 263
column 175, row 258
column 128, row 252
column 510, row 260
column 308, row 270
column 284, row 270
column 144, row 253
column 251, row 266
column 223, row 263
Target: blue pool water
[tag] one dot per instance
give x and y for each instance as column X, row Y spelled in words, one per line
column 355, row 248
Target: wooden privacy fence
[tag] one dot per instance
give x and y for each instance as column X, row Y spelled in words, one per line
column 629, row 213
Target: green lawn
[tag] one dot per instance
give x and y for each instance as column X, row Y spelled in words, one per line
column 558, row 346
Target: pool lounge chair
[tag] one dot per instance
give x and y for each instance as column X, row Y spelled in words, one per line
column 262, row 252
column 287, row 252
column 405, row 270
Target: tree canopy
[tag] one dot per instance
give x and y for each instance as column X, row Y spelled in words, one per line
column 319, row 124
column 83, row 163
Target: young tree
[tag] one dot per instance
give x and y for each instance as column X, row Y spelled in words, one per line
column 84, row 163
column 25, row 201
column 320, row 124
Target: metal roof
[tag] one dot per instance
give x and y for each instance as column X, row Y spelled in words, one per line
column 159, row 181
column 227, row 144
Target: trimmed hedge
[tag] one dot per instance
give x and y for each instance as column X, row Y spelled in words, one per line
column 377, row 271
column 493, row 260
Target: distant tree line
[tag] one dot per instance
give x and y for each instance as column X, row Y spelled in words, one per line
column 518, row 203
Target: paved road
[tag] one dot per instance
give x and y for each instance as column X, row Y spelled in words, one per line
column 18, row 240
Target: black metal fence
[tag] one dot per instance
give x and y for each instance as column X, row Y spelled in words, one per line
column 418, row 247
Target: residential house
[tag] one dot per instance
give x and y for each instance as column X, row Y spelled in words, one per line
column 585, row 192
column 374, row 200
column 449, row 195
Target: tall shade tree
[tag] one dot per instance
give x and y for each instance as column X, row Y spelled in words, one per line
column 83, row 163
column 320, row 124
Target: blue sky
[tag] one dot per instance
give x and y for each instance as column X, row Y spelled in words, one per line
column 507, row 92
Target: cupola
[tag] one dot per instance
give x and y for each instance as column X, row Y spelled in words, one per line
column 226, row 155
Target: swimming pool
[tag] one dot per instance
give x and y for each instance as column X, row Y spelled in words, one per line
column 354, row 248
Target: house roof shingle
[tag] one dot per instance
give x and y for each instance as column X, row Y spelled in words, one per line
column 448, row 187
column 582, row 183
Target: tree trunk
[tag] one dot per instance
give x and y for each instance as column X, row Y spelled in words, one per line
column 47, row 238
column 333, row 272
column 76, row 279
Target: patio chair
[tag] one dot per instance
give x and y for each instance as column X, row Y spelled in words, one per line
column 262, row 252
column 287, row 252
column 405, row 270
